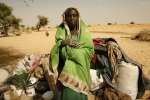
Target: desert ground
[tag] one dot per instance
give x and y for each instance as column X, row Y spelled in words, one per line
column 14, row 47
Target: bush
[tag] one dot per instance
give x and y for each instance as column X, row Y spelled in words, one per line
column 109, row 23
column 143, row 35
column 132, row 22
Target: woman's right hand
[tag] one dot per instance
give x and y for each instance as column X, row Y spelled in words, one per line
column 70, row 42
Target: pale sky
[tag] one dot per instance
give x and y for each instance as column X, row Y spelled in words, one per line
column 91, row 11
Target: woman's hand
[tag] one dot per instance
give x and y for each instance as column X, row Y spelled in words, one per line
column 70, row 42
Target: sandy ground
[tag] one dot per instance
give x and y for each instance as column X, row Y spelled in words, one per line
column 15, row 47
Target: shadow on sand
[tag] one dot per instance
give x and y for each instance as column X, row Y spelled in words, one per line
column 9, row 56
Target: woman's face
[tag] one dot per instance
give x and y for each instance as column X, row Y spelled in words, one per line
column 72, row 17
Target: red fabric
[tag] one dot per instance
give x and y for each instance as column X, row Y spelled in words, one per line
column 96, row 42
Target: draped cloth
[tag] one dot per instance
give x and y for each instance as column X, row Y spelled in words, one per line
column 75, row 72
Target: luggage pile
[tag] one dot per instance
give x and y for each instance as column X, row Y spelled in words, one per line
column 28, row 80
column 119, row 72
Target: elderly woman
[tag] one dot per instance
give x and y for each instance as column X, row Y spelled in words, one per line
column 71, row 56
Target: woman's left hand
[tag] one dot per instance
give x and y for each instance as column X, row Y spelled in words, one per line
column 74, row 43
column 70, row 42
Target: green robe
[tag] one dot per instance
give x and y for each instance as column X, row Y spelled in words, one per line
column 76, row 70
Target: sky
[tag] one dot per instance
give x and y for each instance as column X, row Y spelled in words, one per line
column 91, row 11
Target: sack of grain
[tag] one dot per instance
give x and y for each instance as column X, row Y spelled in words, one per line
column 127, row 80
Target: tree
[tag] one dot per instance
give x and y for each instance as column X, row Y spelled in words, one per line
column 42, row 21
column 109, row 23
column 132, row 22
column 7, row 19
column 13, row 21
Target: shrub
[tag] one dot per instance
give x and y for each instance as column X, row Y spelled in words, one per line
column 132, row 22
column 143, row 35
column 109, row 23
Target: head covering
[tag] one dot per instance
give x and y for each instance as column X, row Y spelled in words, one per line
column 64, row 19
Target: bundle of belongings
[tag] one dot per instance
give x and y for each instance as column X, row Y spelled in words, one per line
column 122, row 77
column 28, row 81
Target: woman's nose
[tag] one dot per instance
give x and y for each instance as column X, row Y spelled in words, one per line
column 71, row 17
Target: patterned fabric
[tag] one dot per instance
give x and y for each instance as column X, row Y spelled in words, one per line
column 114, row 56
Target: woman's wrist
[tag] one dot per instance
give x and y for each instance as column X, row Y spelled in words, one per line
column 63, row 43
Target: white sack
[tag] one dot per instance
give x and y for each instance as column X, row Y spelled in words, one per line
column 127, row 80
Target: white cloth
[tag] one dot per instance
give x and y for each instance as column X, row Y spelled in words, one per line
column 3, row 75
column 96, row 81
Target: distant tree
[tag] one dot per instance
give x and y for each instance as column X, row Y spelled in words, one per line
column 14, row 22
column 109, row 23
column 89, row 25
column 132, row 22
column 33, row 28
column 115, row 23
column 7, row 19
column 42, row 21
column 27, row 28
column 22, row 26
